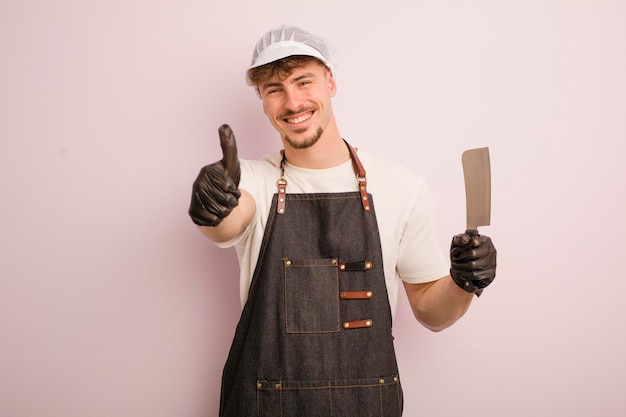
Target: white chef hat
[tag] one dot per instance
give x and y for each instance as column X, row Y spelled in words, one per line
column 289, row 40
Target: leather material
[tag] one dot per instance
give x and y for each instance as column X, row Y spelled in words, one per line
column 357, row 324
column 356, row 266
column 472, row 261
column 360, row 173
column 356, row 295
column 215, row 190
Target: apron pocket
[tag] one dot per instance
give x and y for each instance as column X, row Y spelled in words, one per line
column 372, row 397
column 311, row 296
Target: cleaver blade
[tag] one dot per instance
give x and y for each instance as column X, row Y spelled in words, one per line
column 477, row 174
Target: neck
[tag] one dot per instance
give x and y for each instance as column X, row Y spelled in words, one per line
column 329, row 151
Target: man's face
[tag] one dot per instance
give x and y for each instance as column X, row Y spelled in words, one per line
column 299, row 107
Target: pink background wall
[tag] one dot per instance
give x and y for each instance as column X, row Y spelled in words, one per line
column 113, row 304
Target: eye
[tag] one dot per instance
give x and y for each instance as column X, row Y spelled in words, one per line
column 272, row 91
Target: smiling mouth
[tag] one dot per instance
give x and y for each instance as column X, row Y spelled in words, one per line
column 299, row 119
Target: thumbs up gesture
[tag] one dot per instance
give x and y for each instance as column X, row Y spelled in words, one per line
column 215, row 191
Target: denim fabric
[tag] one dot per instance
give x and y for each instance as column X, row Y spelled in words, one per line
column 293, row 355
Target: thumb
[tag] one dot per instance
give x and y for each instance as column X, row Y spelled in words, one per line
column 230, row 160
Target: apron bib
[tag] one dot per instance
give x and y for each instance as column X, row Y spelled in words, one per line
column 314, row 338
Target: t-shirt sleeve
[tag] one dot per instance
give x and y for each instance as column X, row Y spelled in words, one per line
column 420, row 258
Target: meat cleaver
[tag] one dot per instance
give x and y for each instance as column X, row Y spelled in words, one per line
column 477, row 173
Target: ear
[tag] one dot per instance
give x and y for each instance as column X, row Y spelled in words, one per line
column 332, row 84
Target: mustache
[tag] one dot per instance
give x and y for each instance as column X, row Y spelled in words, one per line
column 291, row 113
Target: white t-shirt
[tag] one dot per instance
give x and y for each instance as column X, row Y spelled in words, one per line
column 403, row 204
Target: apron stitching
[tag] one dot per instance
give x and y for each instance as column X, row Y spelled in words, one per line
column 280, row 391
column 258, row 400
column 330, row 399
column 287, row 263
column 399, row 395
column 264, row 245
column 285, row 314
column 268, row 247
column 338, row 300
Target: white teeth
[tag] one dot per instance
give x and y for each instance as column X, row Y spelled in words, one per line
column 299, row 119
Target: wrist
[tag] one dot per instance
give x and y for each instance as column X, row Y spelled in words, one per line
column 464, row 284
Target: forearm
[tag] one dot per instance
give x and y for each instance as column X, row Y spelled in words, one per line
column 235, row 223
column 439, row 304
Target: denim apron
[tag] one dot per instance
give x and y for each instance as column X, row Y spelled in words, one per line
column 314, row 338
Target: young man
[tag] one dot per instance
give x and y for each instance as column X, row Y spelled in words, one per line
column 323, row 246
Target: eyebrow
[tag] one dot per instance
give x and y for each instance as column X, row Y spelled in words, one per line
column 300, row 77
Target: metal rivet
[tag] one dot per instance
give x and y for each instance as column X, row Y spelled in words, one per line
column 333, row 261
column 346, row 325
column 281, row 211
column 342, row 267
column 281, row 199
column 381, row 381
column 259, row 385
column 281, row 190
column 367, row 208
column 368, row 323
column 368, row 265
column 369, row 294
column 395, row 378
column 364, row 197
column 278, row 386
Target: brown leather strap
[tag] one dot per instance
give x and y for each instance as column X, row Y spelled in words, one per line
column 282, row 186
column 282, row 190
column 360, row 174
column 358, row 170
column 356, row 162
column 357, row 324
column 355, row 266
column 356, row 295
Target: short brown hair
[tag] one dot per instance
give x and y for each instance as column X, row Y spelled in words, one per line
column 281, row 68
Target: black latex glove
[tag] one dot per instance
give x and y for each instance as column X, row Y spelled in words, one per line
column 472, row 261
column 215, row 191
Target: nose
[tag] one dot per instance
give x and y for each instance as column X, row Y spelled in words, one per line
column 293, row 100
